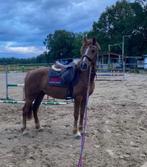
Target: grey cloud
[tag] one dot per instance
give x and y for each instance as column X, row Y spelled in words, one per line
column 29, row 21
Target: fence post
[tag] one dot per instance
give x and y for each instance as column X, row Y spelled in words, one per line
column 6, row 79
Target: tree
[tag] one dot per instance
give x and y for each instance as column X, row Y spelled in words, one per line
column 63, row 44
column 120, row 19
column 60, row 44
column 77, row 45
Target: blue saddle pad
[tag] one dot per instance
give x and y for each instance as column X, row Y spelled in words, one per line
column 61, row 78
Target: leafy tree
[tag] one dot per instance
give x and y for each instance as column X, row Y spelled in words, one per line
column 60, row 44
column 120, row 19
column 77, row 45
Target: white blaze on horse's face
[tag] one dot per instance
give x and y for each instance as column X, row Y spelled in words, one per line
column 86, row 52
column 84, row 63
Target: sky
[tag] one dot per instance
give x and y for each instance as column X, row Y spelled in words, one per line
column 24, row 24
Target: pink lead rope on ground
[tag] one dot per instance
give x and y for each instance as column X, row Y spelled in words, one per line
column 80, row 162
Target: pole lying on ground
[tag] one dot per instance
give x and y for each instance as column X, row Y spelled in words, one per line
column 11, row 101
column 15, row 85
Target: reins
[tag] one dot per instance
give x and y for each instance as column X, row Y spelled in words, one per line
column 80, row 163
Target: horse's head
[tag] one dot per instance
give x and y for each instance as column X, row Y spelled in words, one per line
column 89, row 51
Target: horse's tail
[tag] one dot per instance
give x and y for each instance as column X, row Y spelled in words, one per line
column 29, row 113
column 27, row 110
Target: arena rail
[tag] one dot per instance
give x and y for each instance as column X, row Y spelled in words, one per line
column 111, row 71
column 7, row 99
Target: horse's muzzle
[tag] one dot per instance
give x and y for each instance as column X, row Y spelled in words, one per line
column 84, row 66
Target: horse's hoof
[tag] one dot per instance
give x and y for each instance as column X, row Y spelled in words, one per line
column 22, row 129
column 25, row 133
column 40, row 129
column 37, row 126
column 77, row 135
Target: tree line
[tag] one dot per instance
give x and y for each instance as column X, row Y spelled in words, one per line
column 124, row 18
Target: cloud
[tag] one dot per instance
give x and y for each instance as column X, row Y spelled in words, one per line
column 24, row 49
column 12, row 48
column 28, row 22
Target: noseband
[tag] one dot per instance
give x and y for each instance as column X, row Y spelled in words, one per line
column 89, row 59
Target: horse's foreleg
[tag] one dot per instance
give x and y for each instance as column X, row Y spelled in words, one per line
column 82, row 110
column 77, row 103
column 36, row 105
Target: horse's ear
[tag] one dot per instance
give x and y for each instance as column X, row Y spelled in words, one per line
column 94, row 41
column 85, row 39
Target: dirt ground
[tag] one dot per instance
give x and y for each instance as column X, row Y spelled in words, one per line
column 116, row 131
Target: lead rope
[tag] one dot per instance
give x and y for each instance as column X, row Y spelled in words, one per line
column 80, row 162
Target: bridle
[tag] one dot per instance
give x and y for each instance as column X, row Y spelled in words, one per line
column 84, row 65
column 89, row 59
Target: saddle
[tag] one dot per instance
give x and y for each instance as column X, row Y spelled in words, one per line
column 61, row 65
column 64, row 74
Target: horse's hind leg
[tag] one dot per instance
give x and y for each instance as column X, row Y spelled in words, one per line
column 36, row 105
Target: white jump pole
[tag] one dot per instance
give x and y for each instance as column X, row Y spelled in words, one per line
column 15, row 85
column 22, row 102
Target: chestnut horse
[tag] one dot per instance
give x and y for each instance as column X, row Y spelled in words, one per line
column 36, row 86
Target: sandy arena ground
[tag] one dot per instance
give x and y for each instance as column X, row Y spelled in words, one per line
column 116, row 131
